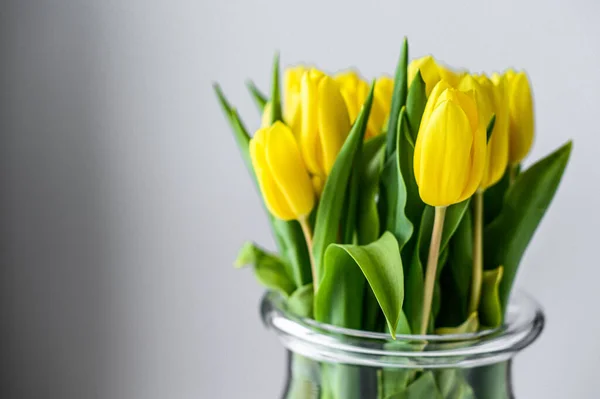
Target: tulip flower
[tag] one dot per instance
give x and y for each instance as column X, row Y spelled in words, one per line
column 283, row 179
column 354, row 89
column 450, row 150
column 325, row 122
column 291, row 96
column 431, row 72
column 497, row 148
column 491, row 100
column 521, row 115
column 449, row 161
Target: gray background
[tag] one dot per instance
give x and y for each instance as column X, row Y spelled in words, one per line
column 124, row 201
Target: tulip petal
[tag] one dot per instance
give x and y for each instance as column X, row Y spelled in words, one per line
column 333, row 121
column 273, row 198
column 443, row 152
column 288, row 170
column 432, row 101
column 521, row 117
column 477, row 164
column 309, row 134
column 291, row 96
column 497, row 148
column 429, row 72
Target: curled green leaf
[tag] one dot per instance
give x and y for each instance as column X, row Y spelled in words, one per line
column 340, row 290
column 301, row 301
column 490, row 308
column 269, row 269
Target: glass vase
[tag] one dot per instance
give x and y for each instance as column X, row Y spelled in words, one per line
column 328, row 362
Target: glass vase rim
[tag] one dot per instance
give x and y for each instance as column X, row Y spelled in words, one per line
column 523, row 323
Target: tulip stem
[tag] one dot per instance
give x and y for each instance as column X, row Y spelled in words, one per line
column 477, row 252
column 432, row 263
column 308, row 236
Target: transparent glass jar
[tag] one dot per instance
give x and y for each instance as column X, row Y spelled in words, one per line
column 328, row 362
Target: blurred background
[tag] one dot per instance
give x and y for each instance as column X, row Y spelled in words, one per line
column 123, row 199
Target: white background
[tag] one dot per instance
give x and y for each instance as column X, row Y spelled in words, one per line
column 124, row 199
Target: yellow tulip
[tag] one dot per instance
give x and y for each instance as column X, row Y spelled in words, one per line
column 281, row 173
column 292, row 82
column 355, row 90
column 450, row 149
column 491, row 100
column 521, row 125
column 497, row 148
column 431, row 72
column 325, row 122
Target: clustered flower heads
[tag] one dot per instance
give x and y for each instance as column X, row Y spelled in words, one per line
column 420, row 173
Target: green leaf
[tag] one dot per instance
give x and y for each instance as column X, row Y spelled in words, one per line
column 293, row 248
column 268, row 268
column 471, row 325
column 424, row 387
column 437, row 290
column 259, row 98
column 288, row 235
column 415, row 276
column 367, row 222
column 396, row 380
column 395, row 194
column 380, row 264
column 456, row 278
column 453, row 383
column 507, row 237
column 415, row 105
column 493, row 198
column 350, row 222
column 301, row 301
column 240, row 133
column 414, row 206
column 329, row 212
column 370, row 170
column 398, row 98
column 276, row 114
column 490, row 308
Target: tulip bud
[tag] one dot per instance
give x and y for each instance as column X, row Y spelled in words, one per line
column 431, row 72
column 450, row 149
column 325, row 122
column 490, row 101
column 291, row 96
column 281, row 173
column 521, row 125
column 355, row 90
column 497, row 146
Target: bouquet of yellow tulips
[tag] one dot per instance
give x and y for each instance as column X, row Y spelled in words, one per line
column 398, row 206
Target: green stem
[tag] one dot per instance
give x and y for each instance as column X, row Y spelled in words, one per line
column 477, row 252
column 308, row 236
column 432, row 261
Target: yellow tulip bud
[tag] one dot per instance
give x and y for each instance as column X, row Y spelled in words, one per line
column 282, row 176
column 431, row 72
column 291, row 96
column 450, row 149
column 497, row 148
column 355, row 90
column 521, row 125
column 325, row 122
